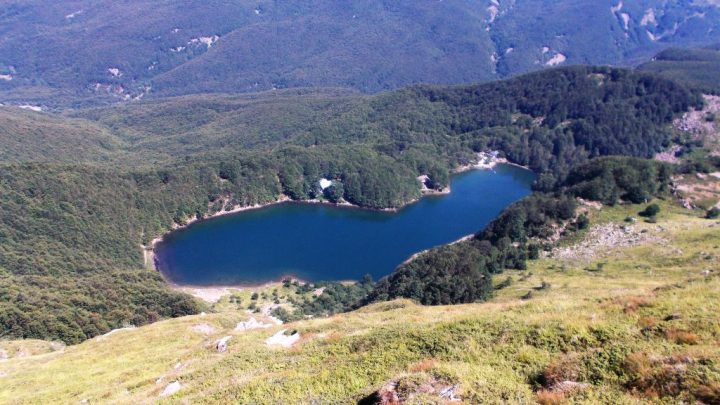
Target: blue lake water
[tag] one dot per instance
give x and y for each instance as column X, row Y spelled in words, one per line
column 317, row 242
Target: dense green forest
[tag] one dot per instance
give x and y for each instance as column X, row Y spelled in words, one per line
column 698, row 68
column 59, row 54
column 82, row 224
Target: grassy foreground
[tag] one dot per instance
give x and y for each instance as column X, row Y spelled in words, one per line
column 635, row 323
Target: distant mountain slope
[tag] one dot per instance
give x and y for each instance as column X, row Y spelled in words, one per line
column 79, row 51
column 699, row 68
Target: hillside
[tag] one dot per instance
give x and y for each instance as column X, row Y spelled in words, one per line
column 699, row 68
column 32, row 136
column 80, row 52
column 630, row 319
column 88, row 222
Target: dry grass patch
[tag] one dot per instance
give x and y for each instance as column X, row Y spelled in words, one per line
column 682, row 337
column 633, row 303
column 547, row 397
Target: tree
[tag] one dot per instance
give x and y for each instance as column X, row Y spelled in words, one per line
column 335, row 192
column 650, row 211
column 582, row 222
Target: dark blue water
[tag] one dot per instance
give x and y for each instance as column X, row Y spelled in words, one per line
column 320, row 242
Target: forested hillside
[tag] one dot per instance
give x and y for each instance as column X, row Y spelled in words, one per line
column 85, row 223
column 699, row 68
column 79, row 52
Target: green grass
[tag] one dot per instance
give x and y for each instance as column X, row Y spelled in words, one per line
column 608, row 327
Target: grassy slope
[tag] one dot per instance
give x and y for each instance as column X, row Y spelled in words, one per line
column 596, row 323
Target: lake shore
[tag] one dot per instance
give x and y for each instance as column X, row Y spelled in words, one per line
column 422, row 252
column 213, row 294
column 209, row 293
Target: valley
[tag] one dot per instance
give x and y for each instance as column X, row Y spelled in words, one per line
column 382, row 203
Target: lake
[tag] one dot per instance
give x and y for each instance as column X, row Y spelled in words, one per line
column 315, row 242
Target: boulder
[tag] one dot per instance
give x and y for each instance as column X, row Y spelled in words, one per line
column 281, row 339
column 222, row 344
column 171, row 389
column 251, row 324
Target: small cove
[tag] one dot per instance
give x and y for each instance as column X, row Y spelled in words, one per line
column 315, row 242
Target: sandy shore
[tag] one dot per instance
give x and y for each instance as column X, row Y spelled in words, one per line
column 213, row 294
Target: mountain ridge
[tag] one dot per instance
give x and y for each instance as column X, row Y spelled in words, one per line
column 60, row 54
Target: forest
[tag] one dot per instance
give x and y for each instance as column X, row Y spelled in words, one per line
column 82, row 224
column 698, row 68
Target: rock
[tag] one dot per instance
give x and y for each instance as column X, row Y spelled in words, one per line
column 114, row 331
column 54, row 346
column 281, row 339
column 204, row 328
column 568, row 387
column 449, row 394
column 388, row 395
column 171, row 389
column 276, row 321
column 251, row 324
column 222, row 344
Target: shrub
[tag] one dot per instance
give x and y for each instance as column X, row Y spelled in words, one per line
column 533, row 251
column 504, row 284
column 631, row 304
column 582, row 222
column 650, row 211
column 713, row 213
column 708, row 393
column 657, row 376
column 565, row 368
